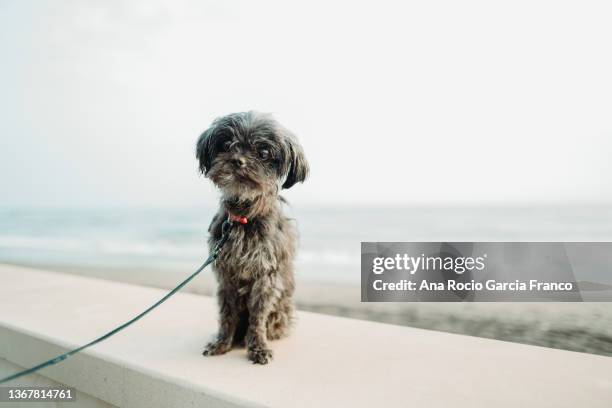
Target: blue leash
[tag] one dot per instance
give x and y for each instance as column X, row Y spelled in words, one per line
column 211, row 258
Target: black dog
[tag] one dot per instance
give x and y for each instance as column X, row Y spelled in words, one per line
column 248, row 156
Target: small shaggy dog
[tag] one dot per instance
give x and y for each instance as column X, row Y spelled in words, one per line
column 250, row 157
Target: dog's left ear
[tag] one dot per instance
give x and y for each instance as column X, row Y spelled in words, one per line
column 298, row 166
column 204, row 149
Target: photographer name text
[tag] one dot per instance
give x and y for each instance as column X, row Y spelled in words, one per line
column 458, row 265
column 488, row 285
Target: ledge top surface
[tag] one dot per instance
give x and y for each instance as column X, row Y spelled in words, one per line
column 327, row 361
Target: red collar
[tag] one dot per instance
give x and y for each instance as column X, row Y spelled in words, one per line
column 237, row 218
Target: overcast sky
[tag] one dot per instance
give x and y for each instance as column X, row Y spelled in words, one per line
column 413, row 103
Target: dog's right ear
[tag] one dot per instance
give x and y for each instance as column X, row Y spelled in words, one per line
column 204, row 149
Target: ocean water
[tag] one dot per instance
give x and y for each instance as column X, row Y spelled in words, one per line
column 329, row 248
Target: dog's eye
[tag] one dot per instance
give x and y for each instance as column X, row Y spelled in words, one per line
column 227, row 146
column 264, row 154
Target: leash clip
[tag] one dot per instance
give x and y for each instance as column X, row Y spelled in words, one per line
column 225, row 229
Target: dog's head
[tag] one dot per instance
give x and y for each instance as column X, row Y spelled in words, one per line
column 248, row 153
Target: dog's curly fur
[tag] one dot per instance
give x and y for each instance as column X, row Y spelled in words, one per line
column 248, row 156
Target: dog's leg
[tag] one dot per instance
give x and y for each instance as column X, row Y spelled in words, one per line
column 260, row 304
column 228, row 321
column 279, row 320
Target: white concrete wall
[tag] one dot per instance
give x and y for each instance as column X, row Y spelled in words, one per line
column 83, row 400
column 327, row 362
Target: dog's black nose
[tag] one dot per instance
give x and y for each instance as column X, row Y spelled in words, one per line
column 238, row 162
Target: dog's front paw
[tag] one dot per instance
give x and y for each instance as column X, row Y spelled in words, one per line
column 216, row 348
column 260, row 355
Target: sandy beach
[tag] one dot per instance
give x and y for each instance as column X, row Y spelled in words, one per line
column 581, row 327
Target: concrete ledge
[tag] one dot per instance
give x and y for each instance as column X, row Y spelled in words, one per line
column 328, row 361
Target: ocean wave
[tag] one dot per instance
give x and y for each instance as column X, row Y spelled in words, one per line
column 157, row 248
column 102, row 246
column 328, row 257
